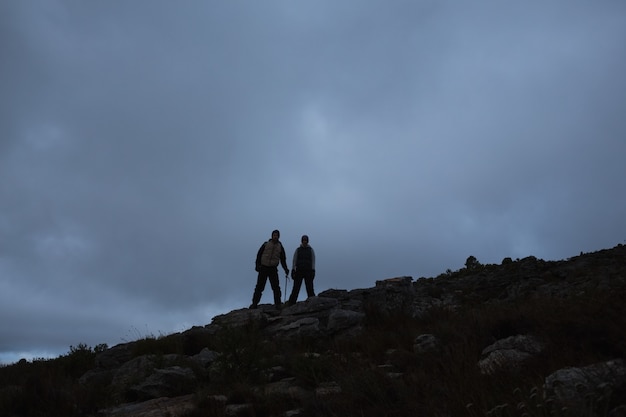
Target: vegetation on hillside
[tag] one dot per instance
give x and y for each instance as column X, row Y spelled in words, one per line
column 577, row 331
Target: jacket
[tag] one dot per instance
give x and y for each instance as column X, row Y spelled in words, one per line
column 270, row 254
column 303, row 258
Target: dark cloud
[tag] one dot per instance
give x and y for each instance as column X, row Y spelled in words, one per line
column 146, row 150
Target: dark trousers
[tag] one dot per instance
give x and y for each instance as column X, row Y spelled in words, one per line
column 266, row 272
column 298, row 277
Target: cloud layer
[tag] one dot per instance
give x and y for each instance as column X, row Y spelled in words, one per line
column 148, row 149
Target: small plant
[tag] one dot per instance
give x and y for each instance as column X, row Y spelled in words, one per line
column 472, row 264
column 310, row 368
column 243, row 353
column 161, row 345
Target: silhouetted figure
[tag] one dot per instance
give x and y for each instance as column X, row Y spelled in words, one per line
column 268, row 257
column 302, row 268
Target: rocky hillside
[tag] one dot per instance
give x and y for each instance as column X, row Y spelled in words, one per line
column 524, row 338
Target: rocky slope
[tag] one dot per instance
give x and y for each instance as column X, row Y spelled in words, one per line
column 483, row 325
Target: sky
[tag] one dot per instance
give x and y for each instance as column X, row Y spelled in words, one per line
column 148, row 148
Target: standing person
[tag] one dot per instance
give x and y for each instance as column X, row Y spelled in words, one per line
column 302, row 268
column 268, row 257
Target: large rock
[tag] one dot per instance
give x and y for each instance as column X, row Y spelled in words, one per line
column 171, row 382
column 575, row 387
column 135, row 371
column 508, row 353
column 114, row 357
column 159, row 407
column 340, row 320
column 312, row 306
column 426, row 343
column 128, row 374
column 298, row 327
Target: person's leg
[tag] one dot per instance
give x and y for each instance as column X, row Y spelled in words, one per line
column 297, row 283
column 273, row 276
column 260, row 287
column 308, row 283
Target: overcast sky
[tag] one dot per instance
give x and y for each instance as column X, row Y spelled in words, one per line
column 148, row 149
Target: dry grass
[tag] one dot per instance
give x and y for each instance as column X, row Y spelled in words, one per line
column 378, row 373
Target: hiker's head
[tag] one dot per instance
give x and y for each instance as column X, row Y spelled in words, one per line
column 275, row 235
column 305, row 240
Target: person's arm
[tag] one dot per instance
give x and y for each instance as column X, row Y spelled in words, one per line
column 295, row 260
column 312, row 259
column 258, row 257
column 283, row 259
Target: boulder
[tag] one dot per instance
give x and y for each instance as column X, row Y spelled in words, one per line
column 576, row 387
column 425, row 343
column 159, row 407
column 508, row 354
column 173, row 382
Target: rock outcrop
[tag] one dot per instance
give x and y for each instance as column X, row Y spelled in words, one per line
column 163, row 383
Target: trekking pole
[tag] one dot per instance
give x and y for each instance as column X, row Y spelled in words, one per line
column 285, row 297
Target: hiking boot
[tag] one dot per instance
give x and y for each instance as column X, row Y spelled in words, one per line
column 253, row 306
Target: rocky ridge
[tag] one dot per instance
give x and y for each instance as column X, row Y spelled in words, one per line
column 167, row 384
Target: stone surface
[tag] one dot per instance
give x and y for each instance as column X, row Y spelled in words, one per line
column 573, row 386
column 145, row 381
column 509, row 353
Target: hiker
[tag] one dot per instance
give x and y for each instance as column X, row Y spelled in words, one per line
column 302, row 268
column 268, row 257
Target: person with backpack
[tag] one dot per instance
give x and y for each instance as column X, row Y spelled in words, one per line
column 270, row 254
column 302, row 268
